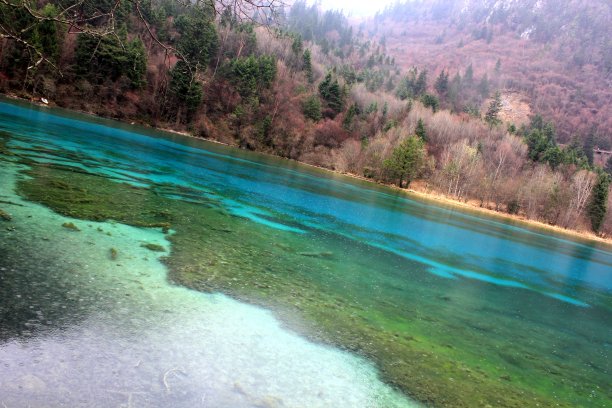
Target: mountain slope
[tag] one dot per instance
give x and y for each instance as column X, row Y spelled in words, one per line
column 558, row 54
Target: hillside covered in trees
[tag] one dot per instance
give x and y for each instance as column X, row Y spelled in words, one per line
column 556, row 54
column 312, row 86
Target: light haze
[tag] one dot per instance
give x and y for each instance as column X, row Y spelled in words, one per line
column 358, row 8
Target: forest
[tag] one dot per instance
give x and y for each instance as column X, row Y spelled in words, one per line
column 314, row 86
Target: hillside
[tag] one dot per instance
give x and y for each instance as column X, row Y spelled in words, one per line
column 395, row 99
column 557, row 54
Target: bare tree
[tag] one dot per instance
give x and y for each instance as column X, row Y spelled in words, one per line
column 459, row 163
column 89, row 17
column 581, row 188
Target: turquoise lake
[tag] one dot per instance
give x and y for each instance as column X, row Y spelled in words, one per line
column 260, row 282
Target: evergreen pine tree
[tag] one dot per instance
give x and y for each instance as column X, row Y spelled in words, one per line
column 441, row 84
column 312, row 108
column 483, row 86
column 48, row 33
column 420, row 130
column 137, row 57
column 307, row 60
column 599, row 200
column 406, row 161
column 198, row 41
column 491, row 117
column 468, row 77
column 296, row 47
column 421, row 84
column 589, row 145
column 430, row 101
column 332, row 93
column 353, row 111
column 185, row 89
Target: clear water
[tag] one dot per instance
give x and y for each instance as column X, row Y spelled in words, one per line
column 468, row 307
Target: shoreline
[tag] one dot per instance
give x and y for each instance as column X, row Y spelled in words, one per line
column 412, row 193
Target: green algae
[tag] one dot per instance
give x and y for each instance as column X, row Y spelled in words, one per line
column 113, row 254
column 441, row 350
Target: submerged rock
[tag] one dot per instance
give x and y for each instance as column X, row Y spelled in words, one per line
column 70, row 226
column 5, row 216
column 154, row 247
column 325, row 254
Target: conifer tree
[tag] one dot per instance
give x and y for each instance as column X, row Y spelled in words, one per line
column 198, row 41
column 186, row 90
column 332, row 93
column 307, row 60
column 430, row 101
column 599, row 200
column 483, row 86
column 296, row 47
column 589, row 145
column 491, row 117
column 420, row 130
column 421, row 83
column 312, row 108
column 48, row 33
column 406, row 161
column 137, row 55
column 468, row 77
column 441, row 84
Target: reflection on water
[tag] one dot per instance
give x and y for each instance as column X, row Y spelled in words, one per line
column 510, row 309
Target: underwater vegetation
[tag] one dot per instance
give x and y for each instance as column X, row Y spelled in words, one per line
column 441, row 342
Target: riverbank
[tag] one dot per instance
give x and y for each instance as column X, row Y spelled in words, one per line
column 421, row 192
column 417, row 190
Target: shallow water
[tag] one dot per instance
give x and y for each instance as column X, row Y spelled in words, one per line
column 82, row 329
column 452, row 308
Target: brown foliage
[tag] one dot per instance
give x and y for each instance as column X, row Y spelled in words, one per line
column 329, row 133
column 573, row 97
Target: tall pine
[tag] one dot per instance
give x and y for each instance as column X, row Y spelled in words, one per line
column 332, row 93
column 495, row 106
column 307, row 60
column 420, row 130
column 599, row 200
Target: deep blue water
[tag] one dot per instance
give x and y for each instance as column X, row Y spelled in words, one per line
column 284, row 195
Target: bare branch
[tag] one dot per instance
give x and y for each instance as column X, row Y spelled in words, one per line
column 260, row 12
